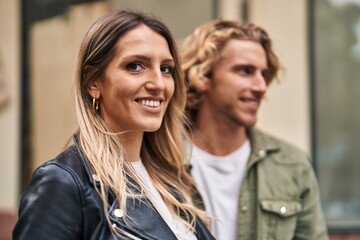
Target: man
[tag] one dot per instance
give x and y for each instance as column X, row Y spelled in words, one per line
column 254, row 185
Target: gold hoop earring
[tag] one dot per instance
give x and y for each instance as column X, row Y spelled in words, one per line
column 95, row 104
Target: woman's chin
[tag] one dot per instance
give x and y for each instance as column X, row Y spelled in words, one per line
column 152, row 127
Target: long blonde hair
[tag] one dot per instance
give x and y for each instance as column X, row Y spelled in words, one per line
column 161, row 151
column 201, row 49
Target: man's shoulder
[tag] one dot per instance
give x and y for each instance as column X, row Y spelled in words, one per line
column 282, row 149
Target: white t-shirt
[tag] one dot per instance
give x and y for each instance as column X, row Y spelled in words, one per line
column 219, row 180
column 176, row 225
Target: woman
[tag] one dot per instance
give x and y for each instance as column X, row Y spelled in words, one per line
column 124, row 177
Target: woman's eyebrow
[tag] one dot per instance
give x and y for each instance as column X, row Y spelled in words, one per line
column 137, row 56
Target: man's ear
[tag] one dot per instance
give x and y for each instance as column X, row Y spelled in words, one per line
column 204, row 86
column 94, row 89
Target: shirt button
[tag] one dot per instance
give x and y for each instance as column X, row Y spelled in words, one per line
column 283, row 210
column 244, row 208
column 118, row 213
column 262, row 153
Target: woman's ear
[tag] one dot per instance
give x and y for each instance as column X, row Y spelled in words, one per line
column 94, row 89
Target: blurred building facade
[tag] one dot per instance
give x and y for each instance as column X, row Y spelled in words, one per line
column 38, row 118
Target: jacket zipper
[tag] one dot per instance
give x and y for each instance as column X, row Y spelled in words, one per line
column 129, row 235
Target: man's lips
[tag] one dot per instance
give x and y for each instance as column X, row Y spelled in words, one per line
column 251, row 101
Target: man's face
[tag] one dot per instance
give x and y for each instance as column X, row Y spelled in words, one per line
column 238, row 83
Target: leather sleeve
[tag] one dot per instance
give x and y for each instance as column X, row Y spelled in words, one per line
column 51, row 206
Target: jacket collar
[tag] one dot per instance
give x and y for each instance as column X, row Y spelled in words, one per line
column 142, row 214
column 261, row 145
column 91, row 176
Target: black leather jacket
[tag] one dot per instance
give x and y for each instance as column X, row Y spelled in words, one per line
column 60, row 202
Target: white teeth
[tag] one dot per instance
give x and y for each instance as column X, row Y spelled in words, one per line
column 252, row 102
column 150, row 103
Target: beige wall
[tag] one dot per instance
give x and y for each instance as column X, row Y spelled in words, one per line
column 230, row 9
column 9, row 115
column 54, row 48
column 285, row 111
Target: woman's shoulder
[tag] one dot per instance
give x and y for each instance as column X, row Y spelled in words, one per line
column 54, row 187
column 70, row 162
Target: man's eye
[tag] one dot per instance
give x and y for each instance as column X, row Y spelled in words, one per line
column 247, row 70
column 266, row 74
column 134, row 66
column 167, row 70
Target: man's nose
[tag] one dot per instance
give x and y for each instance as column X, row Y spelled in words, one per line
column 259, row 83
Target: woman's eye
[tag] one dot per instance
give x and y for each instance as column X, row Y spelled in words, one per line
column 135, row 67
column 167, row 70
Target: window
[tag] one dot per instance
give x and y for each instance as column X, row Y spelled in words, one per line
column 335, row 82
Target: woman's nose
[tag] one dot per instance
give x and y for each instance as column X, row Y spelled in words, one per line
column 155, row 80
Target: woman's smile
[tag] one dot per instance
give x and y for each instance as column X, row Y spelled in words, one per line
column 151, row 105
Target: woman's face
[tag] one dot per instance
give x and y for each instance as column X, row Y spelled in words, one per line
column 138, row 82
